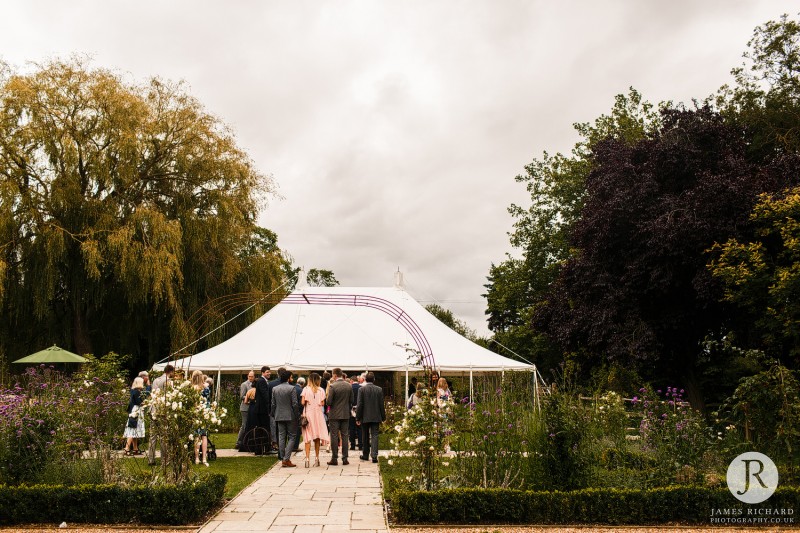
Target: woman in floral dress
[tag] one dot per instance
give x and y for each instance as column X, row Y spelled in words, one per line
column 313, row 399
column 133, row 434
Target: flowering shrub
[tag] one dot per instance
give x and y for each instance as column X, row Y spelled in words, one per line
column 424, row 432
column 48, row 423
column 176, row 413
column 674, row 432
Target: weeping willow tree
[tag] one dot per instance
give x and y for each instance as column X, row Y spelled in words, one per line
column 123, row 209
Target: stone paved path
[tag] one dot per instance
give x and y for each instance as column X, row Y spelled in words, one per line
column 308, row 500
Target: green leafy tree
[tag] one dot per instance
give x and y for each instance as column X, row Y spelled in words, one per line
column 123, row 209
column 321, row 278
column 557, row 187
column 762, row 276
column 766, row 94
column 447, row 318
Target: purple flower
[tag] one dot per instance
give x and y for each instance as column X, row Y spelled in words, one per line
column 635, row 399
column 552, row 435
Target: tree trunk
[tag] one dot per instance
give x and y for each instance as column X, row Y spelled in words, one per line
column 81, row 341
column 693, row 393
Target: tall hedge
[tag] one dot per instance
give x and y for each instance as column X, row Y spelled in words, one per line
column 691, row 505
column 111, row 504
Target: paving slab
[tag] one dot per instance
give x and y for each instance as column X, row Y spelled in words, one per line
column 323, row 499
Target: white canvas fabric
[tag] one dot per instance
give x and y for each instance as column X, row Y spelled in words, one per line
column 350, row 335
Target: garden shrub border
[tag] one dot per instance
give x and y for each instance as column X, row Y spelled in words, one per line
column 189, row 503
column 690, row 505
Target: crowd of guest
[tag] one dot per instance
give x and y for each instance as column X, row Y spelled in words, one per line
column 331, row 410
column 328, row 410
column 141, row 388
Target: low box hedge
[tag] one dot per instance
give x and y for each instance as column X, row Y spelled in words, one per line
column 111, row 504
column 691, row 505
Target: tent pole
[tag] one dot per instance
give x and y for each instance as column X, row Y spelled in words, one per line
column 219, row 382
column 535, row 391
column 471, row 392
column 406, row 392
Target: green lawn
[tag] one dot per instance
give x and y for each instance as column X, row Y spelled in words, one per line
column 241, row 471
column 224, row 440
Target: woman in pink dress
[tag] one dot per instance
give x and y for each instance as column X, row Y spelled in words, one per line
column 313, row 399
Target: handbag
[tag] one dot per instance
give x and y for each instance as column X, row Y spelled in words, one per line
column 132, row 422
column 303, row 419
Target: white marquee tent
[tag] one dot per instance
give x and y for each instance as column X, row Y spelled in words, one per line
column 354, row 328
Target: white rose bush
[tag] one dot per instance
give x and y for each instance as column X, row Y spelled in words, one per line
column 176, row 413
column 424, row 432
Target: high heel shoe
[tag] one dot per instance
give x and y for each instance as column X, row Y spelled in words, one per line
column 316, row 461
column 307, row 461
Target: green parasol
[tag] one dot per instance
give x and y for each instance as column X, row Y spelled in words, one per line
column 54, row 354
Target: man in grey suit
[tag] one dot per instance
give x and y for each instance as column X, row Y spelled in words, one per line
column 370, row 412
column 243, row 407
column 284, row 410
column 340, row 399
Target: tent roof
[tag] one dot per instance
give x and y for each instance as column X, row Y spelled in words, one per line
column 345, row 334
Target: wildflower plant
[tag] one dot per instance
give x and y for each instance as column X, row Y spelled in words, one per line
column 672, row 431
column 175, row 414
column 52, row 424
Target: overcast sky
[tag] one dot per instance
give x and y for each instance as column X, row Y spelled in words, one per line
column 394, row 130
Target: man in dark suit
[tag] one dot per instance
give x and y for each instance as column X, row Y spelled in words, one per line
column 298, row 389
column 356, row 439
column 273, row 428
column 340, row 400
column 263, row 399
column 370, row 412
column 285, row 411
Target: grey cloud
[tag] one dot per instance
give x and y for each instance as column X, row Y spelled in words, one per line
column 395, row 130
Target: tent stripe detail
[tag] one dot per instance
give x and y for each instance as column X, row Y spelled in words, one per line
column 372, row 302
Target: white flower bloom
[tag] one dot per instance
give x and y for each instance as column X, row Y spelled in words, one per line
column 421, row 438
column 445, row 463
column 431, row 448
column 409, row 478
column 390, row 462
